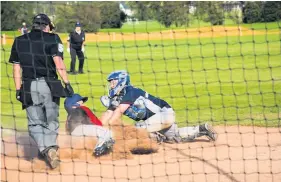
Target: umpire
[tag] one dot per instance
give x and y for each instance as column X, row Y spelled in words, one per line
column 75, row 45
column 39, row 55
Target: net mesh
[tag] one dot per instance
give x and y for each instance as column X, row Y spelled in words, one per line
column 207, row 64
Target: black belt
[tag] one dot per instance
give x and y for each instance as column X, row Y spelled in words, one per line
column 40, row 78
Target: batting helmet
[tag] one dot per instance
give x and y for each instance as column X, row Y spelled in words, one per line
column 72, row 101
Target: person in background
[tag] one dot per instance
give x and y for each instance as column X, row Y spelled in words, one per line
column 24, row 29
column 76, row 46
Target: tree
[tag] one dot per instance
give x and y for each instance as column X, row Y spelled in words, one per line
column 87, row 13
column 165, row 12
column 201, row 10
column 215, row 13
column 271, row 11
column 14, row 13
column 236, row 16
column 210, row 12
column 141, row 9
column 170, row 12
column 252, row 12
column 111, row 15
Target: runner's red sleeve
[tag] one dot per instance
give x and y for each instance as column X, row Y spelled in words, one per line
column 92, row 116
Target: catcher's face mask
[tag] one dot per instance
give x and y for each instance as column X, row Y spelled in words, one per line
column 117, row 81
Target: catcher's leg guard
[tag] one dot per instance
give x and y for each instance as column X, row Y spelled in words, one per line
column 158, row 137
column 171, row 134
column 207, row 130
column 103, row 147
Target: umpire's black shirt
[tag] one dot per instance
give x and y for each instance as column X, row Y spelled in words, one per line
column 34, row 52
column 76, row 39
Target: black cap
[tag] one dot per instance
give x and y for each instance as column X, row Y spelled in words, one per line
column 43, row 19
column 78, row 24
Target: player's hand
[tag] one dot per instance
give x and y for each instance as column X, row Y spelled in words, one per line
column 69, row 89
column 68, row 50
column 83, row 49
column 18, row 95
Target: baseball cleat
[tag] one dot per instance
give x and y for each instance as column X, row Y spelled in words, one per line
column 103, row 147
column 207, row 130
column 52, row 158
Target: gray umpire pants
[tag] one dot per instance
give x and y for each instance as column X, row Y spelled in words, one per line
column 43, row 121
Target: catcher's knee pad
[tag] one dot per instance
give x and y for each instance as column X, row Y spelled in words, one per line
column 171, row 134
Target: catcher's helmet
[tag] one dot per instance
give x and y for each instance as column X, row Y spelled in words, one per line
column 123, row 80
column 43, row 19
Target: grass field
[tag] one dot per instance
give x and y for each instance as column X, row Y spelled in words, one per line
column 153, row 26
column 228, row 80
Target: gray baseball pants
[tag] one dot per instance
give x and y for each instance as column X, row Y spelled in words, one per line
column 164, row 122
column 43, row 121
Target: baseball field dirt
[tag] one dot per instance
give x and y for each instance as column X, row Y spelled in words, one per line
column 240, row 154
column 203, row 32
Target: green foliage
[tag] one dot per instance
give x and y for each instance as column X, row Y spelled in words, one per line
column 210, row 12
column 92, row 15
column 200, row 11
column 107, row 15
column 165, row 12
column 142, row 9
column 65, row 18
column 271, row 11
column 252, row 12
column 14, row 13
column 215, row 13
column 89, row 15
column 235, row 16
column 175, row 13
column 111, row 15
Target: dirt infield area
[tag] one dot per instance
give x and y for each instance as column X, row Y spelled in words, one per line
column 240, row 154
column 203, row 32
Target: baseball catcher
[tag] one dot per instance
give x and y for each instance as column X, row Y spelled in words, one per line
column 148, row 111
column 81, row 121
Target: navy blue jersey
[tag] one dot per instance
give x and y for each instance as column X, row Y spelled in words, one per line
column 142, row 104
